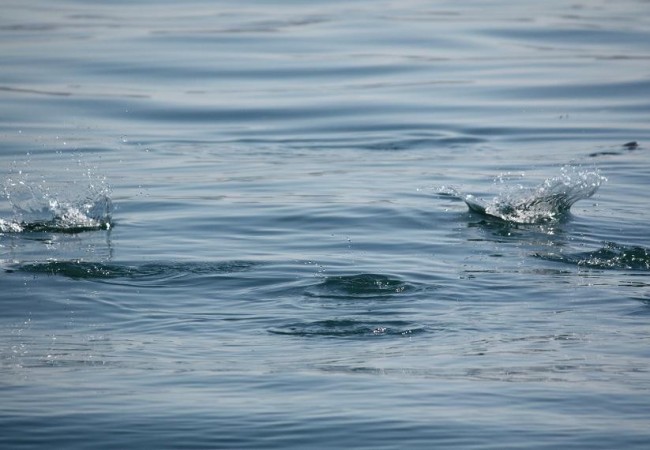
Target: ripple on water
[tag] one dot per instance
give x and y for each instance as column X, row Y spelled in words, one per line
column 344, row 328
column 77, row 269
column 359, row 286
column 610, row 256
column 364, row 286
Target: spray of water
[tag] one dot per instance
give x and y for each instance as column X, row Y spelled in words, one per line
column 67, row 198
column 549, row 201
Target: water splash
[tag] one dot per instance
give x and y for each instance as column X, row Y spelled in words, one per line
column 58, row 216
column 61, row 201
column 549, row 201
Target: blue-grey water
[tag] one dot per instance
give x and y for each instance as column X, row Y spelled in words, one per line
column 244, row 224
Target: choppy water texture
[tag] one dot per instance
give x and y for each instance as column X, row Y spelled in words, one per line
column 350, row 225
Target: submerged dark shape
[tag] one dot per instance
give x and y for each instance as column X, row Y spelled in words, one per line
column 549, row 201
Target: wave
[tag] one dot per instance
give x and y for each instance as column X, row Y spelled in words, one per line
column 549, row 201
column 78, row 269
column 343, row 328
column 359, row 286
column 610, row 256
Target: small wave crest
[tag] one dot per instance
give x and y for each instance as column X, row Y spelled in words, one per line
column 549, row 201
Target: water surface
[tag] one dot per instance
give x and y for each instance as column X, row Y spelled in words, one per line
column 241, row 225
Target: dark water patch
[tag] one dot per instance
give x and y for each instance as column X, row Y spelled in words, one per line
column 361, row 286
column 417, row 143
column 150, row 272
column 494, row 229
column 632, row 145
column 60, row 225
column 610, row 256
column 625, row 148
column 345, row 328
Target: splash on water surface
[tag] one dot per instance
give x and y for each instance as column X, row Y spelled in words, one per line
column 62, row 200
column 549, row 201
column 65, row 217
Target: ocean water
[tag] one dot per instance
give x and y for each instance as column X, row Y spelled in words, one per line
column 353, row 224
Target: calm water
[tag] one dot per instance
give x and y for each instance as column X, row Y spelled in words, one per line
column 241, row 224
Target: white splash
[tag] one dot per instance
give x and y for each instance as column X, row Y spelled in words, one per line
column 547, row 202
column 62, row 201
